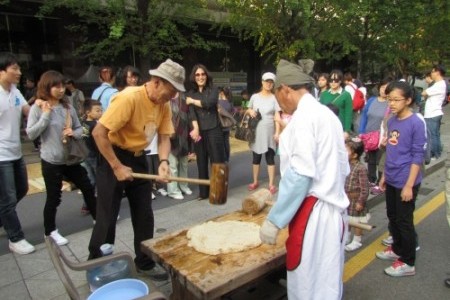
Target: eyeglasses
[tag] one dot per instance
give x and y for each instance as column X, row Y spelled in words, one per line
column 335, row 80
column 395, row 100
column 200, row 74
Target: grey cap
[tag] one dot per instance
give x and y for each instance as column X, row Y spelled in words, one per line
column 172, row 72
column 291, row 74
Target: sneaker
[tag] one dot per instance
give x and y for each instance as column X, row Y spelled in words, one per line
column 400, row 269
column 387, row 254
column 353, row 246
column 84, row 210
column 153, row 196
column 177, row 197
column 59, row 239
column 157, row 273
column 21, row 247
column 162, row 192
column 417, row 248
column 186, row 191
column 388, row 241
column 372, row 184
column 376, row 190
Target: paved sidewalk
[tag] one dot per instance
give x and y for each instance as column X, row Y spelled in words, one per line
column 34, row 277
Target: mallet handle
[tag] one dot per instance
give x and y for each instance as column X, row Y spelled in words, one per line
column 170, row 178
column 360, row 225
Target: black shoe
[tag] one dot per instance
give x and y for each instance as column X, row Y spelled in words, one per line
column 157, row 273
column 447, row 282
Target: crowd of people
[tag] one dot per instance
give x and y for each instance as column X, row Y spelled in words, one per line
column 132, row 126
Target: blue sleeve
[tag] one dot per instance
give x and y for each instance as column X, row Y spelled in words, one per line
column 293, row 190
column 363, row 121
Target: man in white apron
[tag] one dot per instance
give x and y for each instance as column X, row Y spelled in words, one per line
column 311, row 198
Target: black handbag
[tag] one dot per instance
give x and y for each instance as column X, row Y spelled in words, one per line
column 75, row 150
column 246, row 130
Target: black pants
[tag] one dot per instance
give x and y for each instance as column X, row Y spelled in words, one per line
column 109, row 196
column 210, row 148
column 373, row 159
column 53, row 177
column 401, row 221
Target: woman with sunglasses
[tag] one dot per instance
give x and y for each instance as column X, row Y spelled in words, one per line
column 206, row 130
column 337, row 98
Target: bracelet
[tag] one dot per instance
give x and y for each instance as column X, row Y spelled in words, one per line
column 166, row 160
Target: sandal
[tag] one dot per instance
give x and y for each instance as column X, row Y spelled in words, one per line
column 253, row 186
column 273, row 189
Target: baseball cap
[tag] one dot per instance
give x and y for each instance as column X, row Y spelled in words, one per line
column 172, row 72
column 268, row 76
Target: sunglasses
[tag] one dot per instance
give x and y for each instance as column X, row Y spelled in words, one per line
column 335, row 80
column 200, row 74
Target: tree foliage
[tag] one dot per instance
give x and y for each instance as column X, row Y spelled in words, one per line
column 399, row 35
column 150, row 29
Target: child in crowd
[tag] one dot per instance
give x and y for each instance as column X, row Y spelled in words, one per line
column 357, row 190
column 92, row 113
column 402, row 177
column 153, row 165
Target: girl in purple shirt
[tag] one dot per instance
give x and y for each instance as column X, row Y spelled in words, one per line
column 402, row 177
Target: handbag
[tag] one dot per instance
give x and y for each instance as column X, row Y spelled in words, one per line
column 75, row 150
column 370, row 140
column 226, row 119
column 246, row 130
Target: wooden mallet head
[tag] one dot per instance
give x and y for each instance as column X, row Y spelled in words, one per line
column 218, row 186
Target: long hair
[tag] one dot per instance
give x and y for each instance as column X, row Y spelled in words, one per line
column 209, row 79
column 48, row 80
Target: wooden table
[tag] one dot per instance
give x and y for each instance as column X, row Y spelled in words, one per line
column 200, row 276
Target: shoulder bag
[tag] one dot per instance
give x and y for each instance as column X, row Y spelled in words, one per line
column 226, row 119
column 75, row 150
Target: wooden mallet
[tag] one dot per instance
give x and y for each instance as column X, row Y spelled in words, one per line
column 218, row 182
column 257, row 201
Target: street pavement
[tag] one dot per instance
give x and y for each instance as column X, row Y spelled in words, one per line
column 34, row 277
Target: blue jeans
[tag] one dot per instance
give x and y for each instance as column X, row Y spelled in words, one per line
column 13, row 187
column 434, row 132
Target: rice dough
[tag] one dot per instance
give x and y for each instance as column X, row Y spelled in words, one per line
column 224, row 237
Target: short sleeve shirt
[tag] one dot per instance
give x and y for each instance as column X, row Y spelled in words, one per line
column 11, row 104
column 133, row 119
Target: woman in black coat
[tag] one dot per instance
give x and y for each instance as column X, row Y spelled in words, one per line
column 206, row 130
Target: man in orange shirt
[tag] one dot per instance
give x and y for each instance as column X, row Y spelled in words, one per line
column 133, row 118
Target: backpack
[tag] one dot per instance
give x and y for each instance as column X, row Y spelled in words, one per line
column 358, row 99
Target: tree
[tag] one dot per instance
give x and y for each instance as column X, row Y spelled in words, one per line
column 148, row 29
column 280, row 29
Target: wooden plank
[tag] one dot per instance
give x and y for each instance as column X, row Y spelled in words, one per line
column 210, row 276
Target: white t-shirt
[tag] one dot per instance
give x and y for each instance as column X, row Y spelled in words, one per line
column 351, row 90
column 11, row 104
column 153, row 146
column 436, row 95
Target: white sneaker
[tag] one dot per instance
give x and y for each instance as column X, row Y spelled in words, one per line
column 388, row 241
column 153, row 196
column 187, row 191
column 353, row 246
column 21, row 247
column 400, row 269
column 177, row 197
column 59, row 239
column 162, row 192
